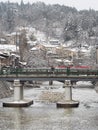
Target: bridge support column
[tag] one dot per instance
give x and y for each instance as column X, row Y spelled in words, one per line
column 96, row 87
column 68, row 91
column 67, row 102
column 51, row 82
column 18, row 91
column 19, row 100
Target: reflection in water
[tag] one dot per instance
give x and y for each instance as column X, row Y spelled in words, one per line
column 68, row 111
column 17, row 118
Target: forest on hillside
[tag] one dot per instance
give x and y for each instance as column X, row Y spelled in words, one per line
column 62, row 22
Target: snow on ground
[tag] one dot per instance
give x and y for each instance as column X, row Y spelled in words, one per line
column 84, row 84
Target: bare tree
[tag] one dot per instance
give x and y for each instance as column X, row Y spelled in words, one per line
column 23, row 46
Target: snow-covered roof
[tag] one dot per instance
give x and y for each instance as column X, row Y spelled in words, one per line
column 8, row 47
column 15, row 55
column 58, row 60
column 2, row 40
column 32, row 42
column 67, row 61
column 34, row 49
column 23, row 63
column 15, row 33
column 83, row 49
column 69, row 43
column 54, row 42
column 50, row 46
column 1, row 57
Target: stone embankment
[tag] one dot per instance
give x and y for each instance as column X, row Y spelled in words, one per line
column 5, row 89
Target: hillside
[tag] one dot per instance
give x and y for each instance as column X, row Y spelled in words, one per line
column 62, row 22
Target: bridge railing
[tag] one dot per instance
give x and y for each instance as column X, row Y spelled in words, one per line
column 47, row 71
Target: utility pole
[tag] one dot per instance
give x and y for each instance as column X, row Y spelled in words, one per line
column 23, row 46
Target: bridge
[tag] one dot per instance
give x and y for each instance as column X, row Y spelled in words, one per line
column 21, row 75
column 40, row 74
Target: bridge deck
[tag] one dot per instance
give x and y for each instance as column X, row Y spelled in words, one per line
column 48, row 74
column 49, row 77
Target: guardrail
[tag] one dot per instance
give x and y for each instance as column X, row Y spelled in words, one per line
column 47, row 71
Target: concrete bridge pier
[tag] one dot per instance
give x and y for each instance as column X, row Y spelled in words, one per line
column 18, row 90
column 68, row 91
column 67, row 102
column 19, row 100
column 51, row 82
column 96, row 87
column 73, row 83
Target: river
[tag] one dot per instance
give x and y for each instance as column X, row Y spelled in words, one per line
column 45, row 115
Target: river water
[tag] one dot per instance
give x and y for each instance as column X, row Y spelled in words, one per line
column 45, row 115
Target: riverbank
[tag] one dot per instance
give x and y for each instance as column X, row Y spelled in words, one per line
column 5, row 89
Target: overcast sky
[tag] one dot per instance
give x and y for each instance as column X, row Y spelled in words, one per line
column 78, row 4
